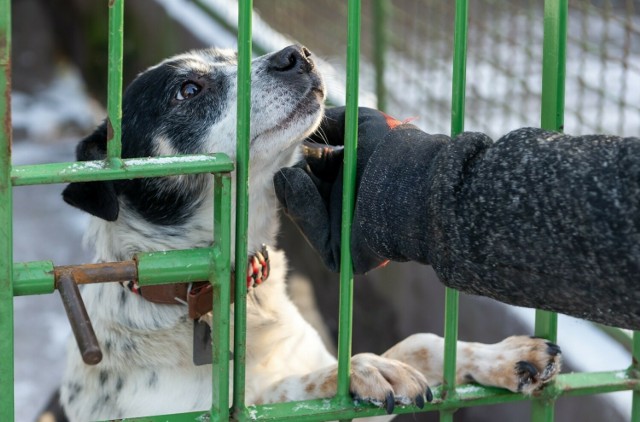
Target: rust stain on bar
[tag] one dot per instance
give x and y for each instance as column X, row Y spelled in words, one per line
column 110, row 133
column 99, row 273
column 7, row 97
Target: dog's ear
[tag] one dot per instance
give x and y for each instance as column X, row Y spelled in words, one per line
column 96, row 198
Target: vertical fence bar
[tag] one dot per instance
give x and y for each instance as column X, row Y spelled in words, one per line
column 114, row 81
column 245, row 8
column 221, row 279
column 546, row 325
column 542, row 410
column 552, row 118
column 381, row 10
column 351, row 143
column 6, row 224
column 553, row 64
column 459, row 83
column 458, row 92
column 635, row 367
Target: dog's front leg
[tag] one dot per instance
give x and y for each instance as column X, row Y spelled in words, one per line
column 518, row 363
column 374, row 379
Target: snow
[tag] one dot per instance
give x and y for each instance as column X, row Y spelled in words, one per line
column 85, row 165
column 469, row 389
column 326, row 405
column 170, row 160
column 62, row 104
column 207, row 30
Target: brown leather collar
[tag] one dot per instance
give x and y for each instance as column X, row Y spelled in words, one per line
column 198, row 296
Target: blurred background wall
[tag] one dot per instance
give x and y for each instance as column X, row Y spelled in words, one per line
column 59, row 59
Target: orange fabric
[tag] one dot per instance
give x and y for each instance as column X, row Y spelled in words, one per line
column 391, row 121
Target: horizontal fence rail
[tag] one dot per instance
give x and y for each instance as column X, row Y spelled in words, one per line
column 128, row 168
column 213, row 264
column 147, row 269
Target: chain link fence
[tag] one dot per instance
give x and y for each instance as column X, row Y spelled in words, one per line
column 504, row 72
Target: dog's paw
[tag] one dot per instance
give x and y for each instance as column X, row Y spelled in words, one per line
column 387, row 382
column 525, row 364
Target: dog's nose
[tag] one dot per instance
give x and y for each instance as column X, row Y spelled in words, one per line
column 294, row 58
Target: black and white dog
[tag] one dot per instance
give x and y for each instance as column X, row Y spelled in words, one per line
column 186, row 105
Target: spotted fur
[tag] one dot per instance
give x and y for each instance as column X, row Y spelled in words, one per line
column 185, row 105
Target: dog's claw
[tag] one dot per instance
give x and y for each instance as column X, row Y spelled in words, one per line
column 429, row 395
column 526, row 369
column 548, row 371
column 553, row 349
column 419, row 401
column 390, row 402
column 527, row 373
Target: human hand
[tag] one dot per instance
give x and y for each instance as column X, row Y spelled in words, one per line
column 311, row 191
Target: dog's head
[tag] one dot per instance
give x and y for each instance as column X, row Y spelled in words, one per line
column 187, row 105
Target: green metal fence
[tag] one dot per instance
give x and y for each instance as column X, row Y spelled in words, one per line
column 504, row 59
column 43, row 277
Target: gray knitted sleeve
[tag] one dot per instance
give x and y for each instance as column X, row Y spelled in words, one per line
column 537, row 219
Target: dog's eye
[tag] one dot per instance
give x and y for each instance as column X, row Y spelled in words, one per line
column 188, row 90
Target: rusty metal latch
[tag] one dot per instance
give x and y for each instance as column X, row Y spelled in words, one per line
column 67, row 279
